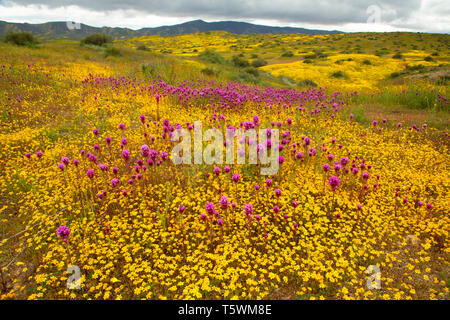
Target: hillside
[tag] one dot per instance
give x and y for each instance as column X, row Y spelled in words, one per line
column 352, row 61
column 60, row 30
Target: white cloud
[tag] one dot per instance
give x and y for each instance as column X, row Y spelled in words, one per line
column 116, row 18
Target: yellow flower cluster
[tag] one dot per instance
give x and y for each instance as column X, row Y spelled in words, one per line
column 348, row 62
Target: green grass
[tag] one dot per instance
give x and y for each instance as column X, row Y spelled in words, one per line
column 112, row 51
column 415, row 95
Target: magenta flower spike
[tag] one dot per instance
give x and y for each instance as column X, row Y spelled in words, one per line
column 63, row 232
column 126, row 155
column 90, row 173
column 334, row 182
column 278, row 192
column 248, row 209
column 224, row 202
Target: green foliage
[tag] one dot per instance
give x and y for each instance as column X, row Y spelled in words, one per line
column 97, row 39
column 168, row 69
column 380, row 53
column 339, row 75
column 443, row 80
column 342, row 60
column 21, row 39
column 239, row 62
column 306, row 83
column 396, row 74
column 287, row 54
column 367, row 62
column 253, row 71
column 149, row 70
column 414, row 96
column 112, row 51
column 397, row 56
column 212, row 57
column 208, row 71
column 415, row 68
column 247, row 76
column 142, row 47
column 358, row 115
column 316, row 55
column 287, row 80
column 429, row 59
column 409, row 68
column 259, row 63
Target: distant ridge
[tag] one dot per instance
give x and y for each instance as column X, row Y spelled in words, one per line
column 60, row 30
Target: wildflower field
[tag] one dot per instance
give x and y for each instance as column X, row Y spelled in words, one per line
column 358, row 209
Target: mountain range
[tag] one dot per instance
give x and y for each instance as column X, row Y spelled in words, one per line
column 64, row 30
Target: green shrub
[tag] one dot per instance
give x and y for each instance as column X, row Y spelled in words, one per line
column 394, row 75
column 259, row 63
column 380, row 53
column 317, row 55
column 245, row 77
column 429, row 59
column 253, row 71
column 367, row 62
column 306, row 83
column 287, row 80
column 97, row 39
column 208, row 71
column 397, row 56
column 443, row 80
column 142, row 47
column 212, row 57
column 112, row 51
column 239, row 62
column 21, row 38
column 415, row 68
column 287, row 54
column 339, row 75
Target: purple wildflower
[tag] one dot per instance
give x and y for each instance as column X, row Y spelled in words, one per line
column 63, row 232
column 334, row 182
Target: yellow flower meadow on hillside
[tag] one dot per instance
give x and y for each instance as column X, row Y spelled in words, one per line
column 351, row 62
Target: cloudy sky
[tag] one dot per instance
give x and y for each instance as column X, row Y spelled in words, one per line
column 344, row 15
